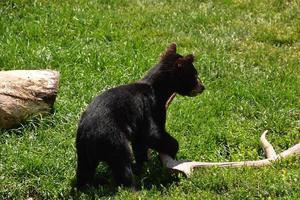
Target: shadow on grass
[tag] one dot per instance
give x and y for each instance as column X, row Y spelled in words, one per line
column 154, row 177
column 32, row 124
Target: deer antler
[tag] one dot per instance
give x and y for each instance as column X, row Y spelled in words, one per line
column 187, row 167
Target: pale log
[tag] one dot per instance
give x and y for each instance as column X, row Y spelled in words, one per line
column 25, row 93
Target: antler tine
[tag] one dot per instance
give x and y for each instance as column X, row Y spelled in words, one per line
column 268, row 148
column 170, row 100
column 294, row 150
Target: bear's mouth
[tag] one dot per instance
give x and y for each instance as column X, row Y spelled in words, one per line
column 194, row 93
column 198, row 89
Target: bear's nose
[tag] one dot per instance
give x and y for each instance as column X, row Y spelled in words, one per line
column 200, row 87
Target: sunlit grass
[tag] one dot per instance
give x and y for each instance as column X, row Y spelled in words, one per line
column 248, row 56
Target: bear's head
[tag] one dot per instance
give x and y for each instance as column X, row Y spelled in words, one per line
column 184, row 74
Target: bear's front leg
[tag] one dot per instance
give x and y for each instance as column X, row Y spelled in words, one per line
column 163, row 142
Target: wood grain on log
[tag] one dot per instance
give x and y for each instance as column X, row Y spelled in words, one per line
column 24, row 93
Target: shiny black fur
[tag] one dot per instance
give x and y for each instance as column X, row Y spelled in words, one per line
column 133, row 113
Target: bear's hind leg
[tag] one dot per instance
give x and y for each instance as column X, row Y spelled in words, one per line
column 140, row 152
column 121, row 165
column 85, row 170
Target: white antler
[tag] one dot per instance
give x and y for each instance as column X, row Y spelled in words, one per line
column 187, row 167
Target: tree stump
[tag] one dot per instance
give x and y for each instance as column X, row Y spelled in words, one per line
column 25, row 93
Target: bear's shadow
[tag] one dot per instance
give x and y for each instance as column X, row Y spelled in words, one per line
column 155, row 176
column 32, row 124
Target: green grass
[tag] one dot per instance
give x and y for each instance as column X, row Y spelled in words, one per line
column 248, row 56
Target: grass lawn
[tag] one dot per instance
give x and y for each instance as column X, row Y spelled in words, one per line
column 247, row 54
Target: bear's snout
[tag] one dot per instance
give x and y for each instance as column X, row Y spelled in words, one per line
column 198, row 89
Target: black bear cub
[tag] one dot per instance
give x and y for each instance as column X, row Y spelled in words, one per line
column 133, row 114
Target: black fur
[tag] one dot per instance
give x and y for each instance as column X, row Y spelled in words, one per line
column 133, row 113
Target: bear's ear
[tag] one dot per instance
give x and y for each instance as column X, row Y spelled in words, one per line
column 181, row 62
column 171, row 50
column 189, row 58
